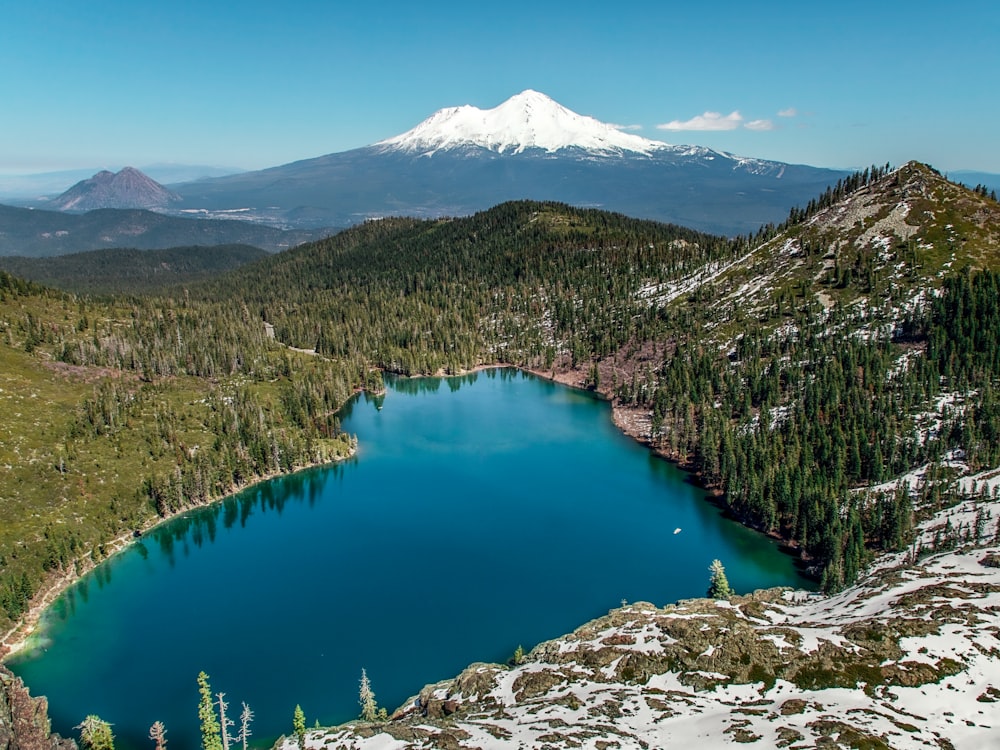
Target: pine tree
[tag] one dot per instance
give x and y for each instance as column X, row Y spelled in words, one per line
column 366, row 697
column 299, row 726
column 718, row 584
column 95, row 734
column 211, row 733
column 518, row 654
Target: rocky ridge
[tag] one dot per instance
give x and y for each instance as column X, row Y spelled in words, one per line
column 904, row 232
column 24, row 721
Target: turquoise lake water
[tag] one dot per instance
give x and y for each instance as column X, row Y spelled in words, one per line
column 480, row 513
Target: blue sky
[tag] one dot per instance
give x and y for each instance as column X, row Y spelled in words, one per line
column 256, row 84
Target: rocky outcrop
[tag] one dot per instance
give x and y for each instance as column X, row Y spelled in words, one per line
column 24, row 721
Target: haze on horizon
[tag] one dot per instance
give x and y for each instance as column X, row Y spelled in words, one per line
column 847, row 85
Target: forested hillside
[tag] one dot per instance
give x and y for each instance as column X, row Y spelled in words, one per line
column 117, row 414
column 131, row 271
column 792, row 369
column 518, row 283
column 798, row 371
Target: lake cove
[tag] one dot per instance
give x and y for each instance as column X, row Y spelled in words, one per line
column 480, row 513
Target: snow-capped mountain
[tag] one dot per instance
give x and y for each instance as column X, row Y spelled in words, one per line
column 464, row 159
column 529, row 120
column 128, row 188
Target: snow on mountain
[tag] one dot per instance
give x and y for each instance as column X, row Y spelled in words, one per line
column 529, row 120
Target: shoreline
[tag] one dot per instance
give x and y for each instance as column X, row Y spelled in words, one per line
column 636, row 423
column 633, row 422
column 18, row 638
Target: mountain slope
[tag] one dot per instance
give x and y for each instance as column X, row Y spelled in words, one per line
column 873, row 243
column 836, row 342
column 87, row 385
column 128, row 188
column 462, row 160
column 37, row 233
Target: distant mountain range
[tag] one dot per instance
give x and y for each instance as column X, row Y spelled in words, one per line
column 464, row 159
column 458, row 161
column 971, row 178
column 35, row 233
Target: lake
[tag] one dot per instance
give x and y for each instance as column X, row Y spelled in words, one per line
column 479, row 513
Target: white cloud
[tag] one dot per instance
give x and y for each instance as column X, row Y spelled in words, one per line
column 759, row 125
column 707, row 121
column 790, row 112
column 616, row 126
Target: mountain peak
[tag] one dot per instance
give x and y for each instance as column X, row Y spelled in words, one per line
column 529, row 120
column 530, row 97
column 128, row 188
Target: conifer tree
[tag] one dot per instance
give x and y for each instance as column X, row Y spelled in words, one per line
column 243, row 736
column 95, row 734
column 718, row 584
column 211, row 733
column 518, row 654
column 366, row 697
column 299, row 726
column 224, row 722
